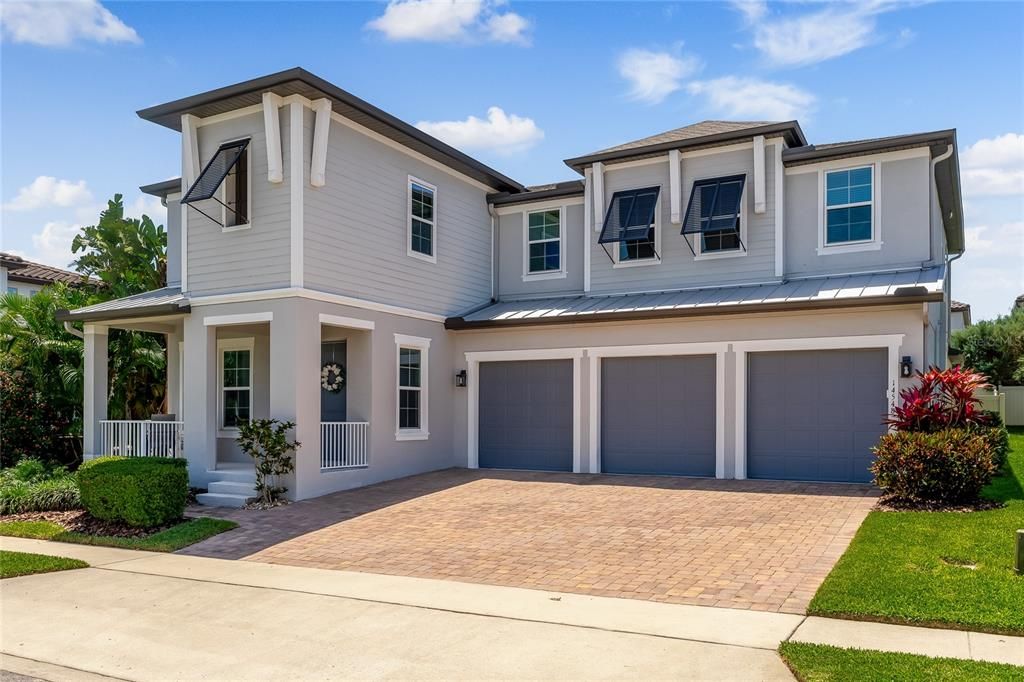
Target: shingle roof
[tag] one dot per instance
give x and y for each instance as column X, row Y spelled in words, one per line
column 22, row 270
column 824, row 292
column 958, row 306
column 689, row 132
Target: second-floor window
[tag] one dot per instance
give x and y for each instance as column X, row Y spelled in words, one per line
column 849, row 206
column 632, row 225
column 715, row 214
column 544, row 242
column 236, row 193
column 422, row 220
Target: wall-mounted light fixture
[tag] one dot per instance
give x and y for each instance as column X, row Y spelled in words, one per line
column 460, row 379
column 906, row 367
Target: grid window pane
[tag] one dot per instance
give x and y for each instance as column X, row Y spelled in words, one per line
column 236, row 407
column 543, row 233
column 236, row 368
column 638, row 249
column 409, row 367
column 422, row 237
column 848, row 186
column 848, row 224
column 545, row 256
column 422, row 202
column 409, row 409
column 720, row 240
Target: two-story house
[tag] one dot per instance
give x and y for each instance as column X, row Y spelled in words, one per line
column 722, row 300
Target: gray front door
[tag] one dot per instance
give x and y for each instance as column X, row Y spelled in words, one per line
column 526, row 415
column 333, row 403
column 658, row 415
column 815, row 415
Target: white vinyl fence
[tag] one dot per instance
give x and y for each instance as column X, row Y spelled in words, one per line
column 138, row 438
column 343, row 445
column 1009, row 402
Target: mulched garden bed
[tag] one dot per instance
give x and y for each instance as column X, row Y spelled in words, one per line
column 79, row 521
column 891, row 504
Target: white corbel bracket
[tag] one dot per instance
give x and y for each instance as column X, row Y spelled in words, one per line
column 272, row 128
column 321, row 130
column 760, row 205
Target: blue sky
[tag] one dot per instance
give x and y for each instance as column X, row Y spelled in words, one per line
column 521, row 86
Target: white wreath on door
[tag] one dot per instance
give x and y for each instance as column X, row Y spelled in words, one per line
column 332, row 377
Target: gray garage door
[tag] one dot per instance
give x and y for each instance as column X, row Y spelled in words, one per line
column 658, row 415
column 526, row 415
column 814, row 415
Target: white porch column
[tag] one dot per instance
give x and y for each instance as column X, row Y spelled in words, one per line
column 95, row 394
column 295, row 386
column 173, row 385
column 200, row 398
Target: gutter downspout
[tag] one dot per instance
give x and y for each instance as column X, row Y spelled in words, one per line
column 494, row 217
column 946, row 314
column 71, row 330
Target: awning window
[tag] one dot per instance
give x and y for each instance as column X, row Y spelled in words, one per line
column 714, row 205
column 630, row 215
column 209, row 181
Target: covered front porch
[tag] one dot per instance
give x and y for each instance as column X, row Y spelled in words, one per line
column 224, row 369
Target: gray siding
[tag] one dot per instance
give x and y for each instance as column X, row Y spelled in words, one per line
column 679, row 269
column 173, row 243
column 905, row 222
column 509, row 256
column 356, row 230
column 243, row 260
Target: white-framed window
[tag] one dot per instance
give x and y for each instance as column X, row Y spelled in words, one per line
column 236, row 193
column 723, row 222
column 849, row 202
column 234, row 383
column 412, row 354
column 643, row 251
column 544, row 243
column 421, row 240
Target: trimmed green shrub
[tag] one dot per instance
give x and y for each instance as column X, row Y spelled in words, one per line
column 947, row 466
column 997, row 436
column 139, row 491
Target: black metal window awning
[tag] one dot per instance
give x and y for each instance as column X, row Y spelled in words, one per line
column 630, row 216
column 213, row 175
column 714, row 208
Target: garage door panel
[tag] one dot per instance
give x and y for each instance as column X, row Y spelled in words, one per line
column 658, row 415
column 830, row 404
column 525, row 415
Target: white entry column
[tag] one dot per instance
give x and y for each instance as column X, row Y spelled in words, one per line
column 295, row 385
column 95, row 394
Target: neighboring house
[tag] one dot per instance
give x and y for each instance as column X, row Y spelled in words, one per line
column 721, row 300
column 959, row 316
column 20, row 276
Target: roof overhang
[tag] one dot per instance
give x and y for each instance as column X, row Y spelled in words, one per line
column 790, row 130
column 911, row 297
column 572, row 188
column 162, row 189
column 160, row 310
column 300, row 82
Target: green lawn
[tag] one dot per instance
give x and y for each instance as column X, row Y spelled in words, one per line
column 174, row 538
column 821, row 663
column 936, row 568
column 13, row 564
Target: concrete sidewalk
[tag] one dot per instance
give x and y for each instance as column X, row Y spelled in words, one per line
column 140, row 615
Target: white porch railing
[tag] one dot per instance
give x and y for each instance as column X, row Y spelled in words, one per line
column 138, row 438
column 343, row 445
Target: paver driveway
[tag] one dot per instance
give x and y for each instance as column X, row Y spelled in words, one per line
column 740, row 544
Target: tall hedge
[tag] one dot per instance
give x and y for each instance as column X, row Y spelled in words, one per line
column 138, row 491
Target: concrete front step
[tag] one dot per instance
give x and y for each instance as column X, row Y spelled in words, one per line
column 240, row 475
column 223, row 499
column 233, row 488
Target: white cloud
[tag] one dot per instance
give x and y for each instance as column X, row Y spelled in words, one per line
column 750, row 98
column 60, row 24
column 827, row 32
column 52, row 244
column 47, row 191
column 146, row 205
column 653, row 76
column 500, row 132
column 994, row 166
column 991, row 273
column 450, row 20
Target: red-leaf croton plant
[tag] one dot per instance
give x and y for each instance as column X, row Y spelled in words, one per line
column 943, row 399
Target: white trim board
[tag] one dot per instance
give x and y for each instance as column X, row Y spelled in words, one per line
column 716, row 348
column 346, row 322
column 858, row 160
column 299, row 292
column 540, row 205
column 891, row 342
column 240, row 318
column 473, row 360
